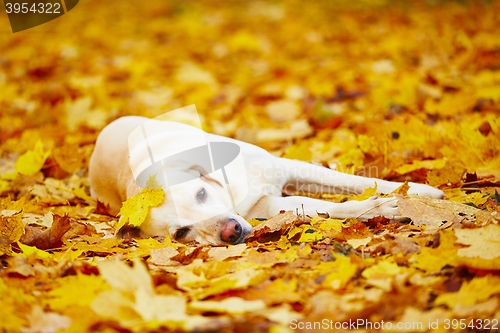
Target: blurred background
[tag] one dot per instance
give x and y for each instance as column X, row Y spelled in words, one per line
column 383, row 88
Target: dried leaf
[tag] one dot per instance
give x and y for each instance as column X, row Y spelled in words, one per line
column 273, row 228
column 62, row 228
column 483, row 242
column 222, row 253
column 471, row 292
column 448, row 175
column 434, row 259
column 46, row 322
column 11, row 230
column 340, row 272
column 437, row 214
column 403, row 189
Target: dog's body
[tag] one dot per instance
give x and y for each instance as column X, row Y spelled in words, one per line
column 203, row 209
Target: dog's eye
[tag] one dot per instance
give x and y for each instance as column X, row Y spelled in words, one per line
column 201, row 195
column 181, row 233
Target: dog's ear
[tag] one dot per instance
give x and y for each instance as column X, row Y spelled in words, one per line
column 194, row 172
column 180, row 171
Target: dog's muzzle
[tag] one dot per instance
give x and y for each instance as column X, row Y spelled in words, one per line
column 232, row 232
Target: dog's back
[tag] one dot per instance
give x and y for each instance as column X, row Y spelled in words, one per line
column 109, row 164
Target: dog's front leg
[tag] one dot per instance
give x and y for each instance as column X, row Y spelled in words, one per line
column 316, row 179
column 365, row 209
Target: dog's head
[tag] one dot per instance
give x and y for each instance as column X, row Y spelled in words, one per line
column 199, row 209
column 194, row 173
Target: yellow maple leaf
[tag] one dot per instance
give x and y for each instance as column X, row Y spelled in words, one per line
column 289, row 255
column 471, row 292
column 32, row 161
column 76, row 290
column 382, row 274
column 327, row 224
column 450, row 174
column 382, row 269
column 14, row 302
column 416, row 165
column 403, row 189
column 433, row 259
column 458, row 195
column 31, row 250
column 310, row 235
column 342, row 270
column 135, row 210
column 367, row 193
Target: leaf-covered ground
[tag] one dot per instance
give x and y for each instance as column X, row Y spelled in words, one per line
column 395, row 90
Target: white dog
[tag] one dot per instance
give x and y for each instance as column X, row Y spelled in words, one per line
column 208, row 196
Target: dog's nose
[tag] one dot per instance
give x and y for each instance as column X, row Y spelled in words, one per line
column 231, row 231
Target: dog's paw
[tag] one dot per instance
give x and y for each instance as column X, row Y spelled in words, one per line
column 375, row 206
column 425, row 190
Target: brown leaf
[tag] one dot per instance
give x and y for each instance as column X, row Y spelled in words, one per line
column 40, row 321
column 188, row 254
column 103, row 209
column 273, row 228
column 395, row 246
column 163, row 256
column 222, row 252
column 356, row 231
column 19, row 265
column 439, row 214
column 62, row 228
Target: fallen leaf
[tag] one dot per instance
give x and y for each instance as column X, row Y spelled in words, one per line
column 62, row 229
column 471, row 292
column 231, row 305
column 416, row 165
column 340, row 272
column 163, row 256
column 46, row 322
column 450, row 174
column 273, row 228
column 483, row 242
column 133, row 300
column 367, row 193
column 403, row 189
column 437, row 214
column 357, row 242
column 135, row 210
column 222, row 253
column 434, row 259
column 32, row 161
column 76, row 290
column 33, row 251
column 488, row 307
column 11, row 230
column 19, row 265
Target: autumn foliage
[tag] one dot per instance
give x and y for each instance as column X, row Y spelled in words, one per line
column 388, row 89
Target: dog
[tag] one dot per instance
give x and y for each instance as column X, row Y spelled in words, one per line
column 211, row 206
